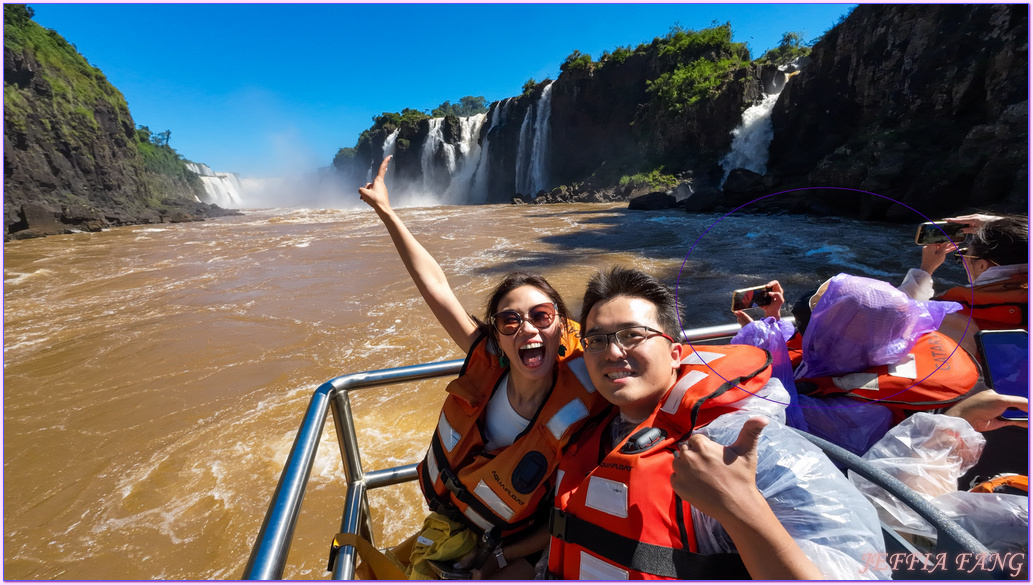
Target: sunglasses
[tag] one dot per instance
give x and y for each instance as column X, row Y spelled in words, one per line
column 509, row 322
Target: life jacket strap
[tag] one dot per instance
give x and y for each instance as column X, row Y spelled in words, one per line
column 638, row 556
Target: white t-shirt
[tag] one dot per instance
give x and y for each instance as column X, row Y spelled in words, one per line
column 502, row 423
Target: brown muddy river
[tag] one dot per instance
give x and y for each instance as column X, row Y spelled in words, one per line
column 155, row 376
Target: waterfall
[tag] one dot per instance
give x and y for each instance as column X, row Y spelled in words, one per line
column 531, row 172
column 539, row 152
column 463, row 166
column 751, row 139
column 523, row 157
column 435, row 141
column 478, row 192
column 389, row 150
column 222, row 189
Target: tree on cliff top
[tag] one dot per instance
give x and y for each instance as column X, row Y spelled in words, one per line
column 790, row 48
column 467, row 106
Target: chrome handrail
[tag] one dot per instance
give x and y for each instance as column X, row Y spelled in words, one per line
column 269, row 553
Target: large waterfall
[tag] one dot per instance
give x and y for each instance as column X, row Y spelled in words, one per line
column 478, row 191
column 531, row 160
column 223, row 189
column 751, row 139
column 472, row 161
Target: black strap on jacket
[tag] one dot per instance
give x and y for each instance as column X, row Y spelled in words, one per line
column 653, row 559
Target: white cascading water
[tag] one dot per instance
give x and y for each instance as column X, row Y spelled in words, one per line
column 223, row 189
column 463, row 165
column 751, row 139
column 531, row 171
column 435, row 141
column 389, row 150
column 523, row 157
column 539, row 151
column 478, row 192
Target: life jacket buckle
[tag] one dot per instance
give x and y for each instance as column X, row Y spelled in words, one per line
column 643, row 440
column 452, row 484
column 558, row 524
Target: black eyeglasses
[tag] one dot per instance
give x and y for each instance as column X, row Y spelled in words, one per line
column 624, row 338
column 509, row 322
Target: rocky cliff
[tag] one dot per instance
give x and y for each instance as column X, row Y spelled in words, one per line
column 925, row 104
column 71, row 155
column 922, row 104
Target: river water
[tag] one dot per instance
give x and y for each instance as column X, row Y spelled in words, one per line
column 155, row 376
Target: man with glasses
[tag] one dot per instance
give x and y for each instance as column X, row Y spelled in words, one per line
column 652, row 490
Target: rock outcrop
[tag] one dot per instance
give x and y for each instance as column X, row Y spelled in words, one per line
column 71, row 159
column 924, row 104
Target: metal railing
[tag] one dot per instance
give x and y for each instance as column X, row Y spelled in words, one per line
column 269, row 553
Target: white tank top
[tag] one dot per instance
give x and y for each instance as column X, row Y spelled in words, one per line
column 502, row 423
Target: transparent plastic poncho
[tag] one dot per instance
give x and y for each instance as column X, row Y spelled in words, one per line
column 928, row 453
column 834, row 525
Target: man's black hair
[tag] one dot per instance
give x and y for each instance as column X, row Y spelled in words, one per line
column 628, row 282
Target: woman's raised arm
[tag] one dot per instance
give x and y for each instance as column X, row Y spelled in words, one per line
column 424, row 270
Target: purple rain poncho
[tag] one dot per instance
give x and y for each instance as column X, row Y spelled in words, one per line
column 861, row 322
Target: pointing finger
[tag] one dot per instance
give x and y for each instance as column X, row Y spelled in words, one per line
column 383, row 169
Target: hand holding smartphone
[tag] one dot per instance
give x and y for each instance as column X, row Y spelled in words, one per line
column 757, row 296
column 938, row 232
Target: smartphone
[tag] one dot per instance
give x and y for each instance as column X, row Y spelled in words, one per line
column 937, row 232
column 757, row 296
column 445, row 570
column 1004, row 355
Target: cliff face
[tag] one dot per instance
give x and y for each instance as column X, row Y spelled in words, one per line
column 71, row 159
column 926, row 104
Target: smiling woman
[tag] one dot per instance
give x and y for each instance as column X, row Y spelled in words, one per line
column 516, row 387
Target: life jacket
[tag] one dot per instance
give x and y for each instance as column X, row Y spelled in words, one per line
column 501, row 491
column 795, row 348
column 1006, row 483
column 998, row 305
column 929, row 377
column 616, row 515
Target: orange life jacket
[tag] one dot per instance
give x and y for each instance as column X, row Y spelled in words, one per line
column 1006, row 483
column 998, row 305
column 616, row 515
column 929, row 377
column 795, row 348
column 501, row 490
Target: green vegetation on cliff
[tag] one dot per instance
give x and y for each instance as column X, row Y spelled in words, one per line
column 701, row 61
column 160, row 158
column 467, row 106
column 76, row 86
column 791, row 47
column 70, row 142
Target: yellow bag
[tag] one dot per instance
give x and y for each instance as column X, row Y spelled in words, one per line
column 440, row 539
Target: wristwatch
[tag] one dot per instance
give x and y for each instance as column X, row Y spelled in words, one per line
column 499, row 557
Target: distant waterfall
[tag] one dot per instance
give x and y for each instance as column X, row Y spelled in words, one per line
column 389, row 150
column 223, row 189
column 751, row 139
column 463, row 165
column 478, row 192
column 434, row 142
column 531, row 170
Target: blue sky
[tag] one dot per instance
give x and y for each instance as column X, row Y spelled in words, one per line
column 268, row 90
